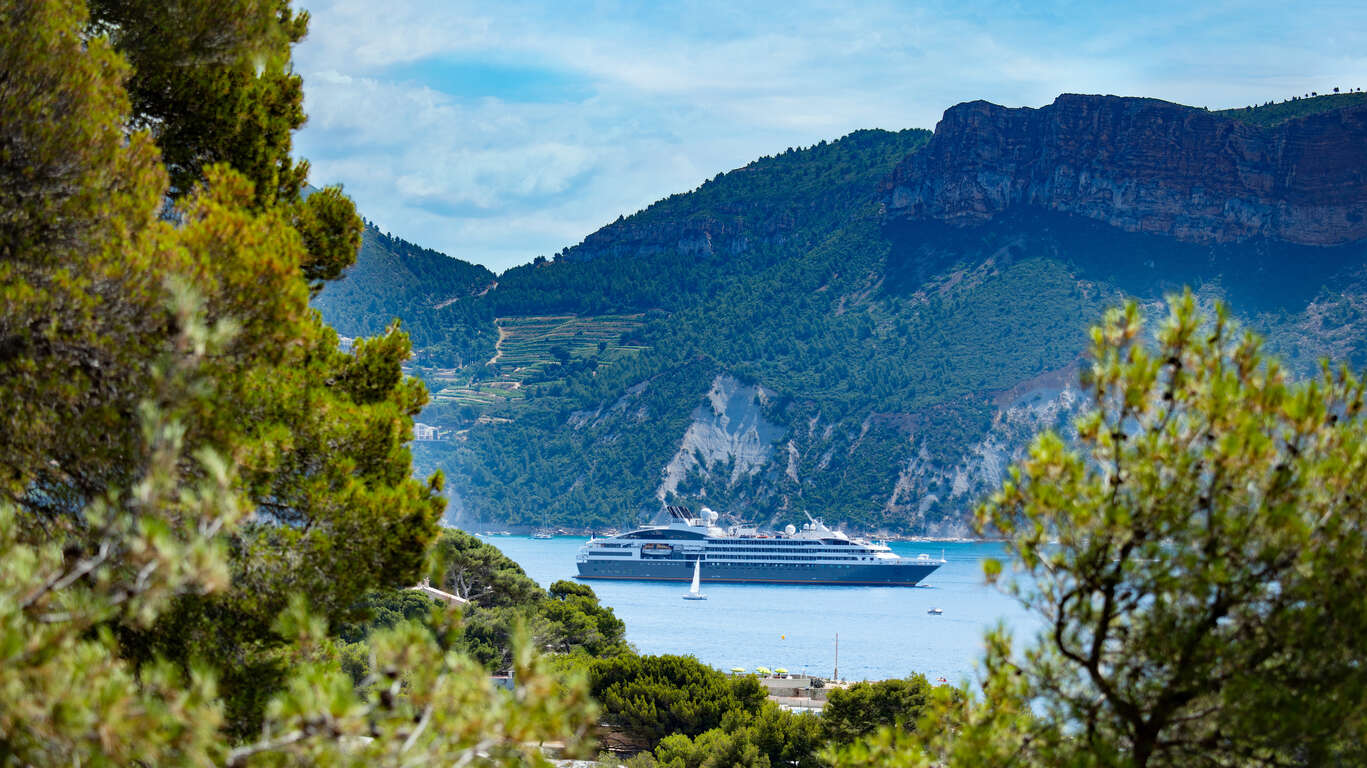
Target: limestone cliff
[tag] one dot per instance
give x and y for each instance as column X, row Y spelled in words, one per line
column 1144, row 165
column 872, row 329
column 728, row 429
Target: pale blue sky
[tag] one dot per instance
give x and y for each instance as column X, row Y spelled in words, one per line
column 499, row 131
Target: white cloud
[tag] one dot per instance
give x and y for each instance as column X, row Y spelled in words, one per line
column 610, row 106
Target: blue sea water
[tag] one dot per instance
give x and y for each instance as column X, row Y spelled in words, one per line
column 884, row 631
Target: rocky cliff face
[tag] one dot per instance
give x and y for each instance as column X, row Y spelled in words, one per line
column 1144, row 165
column 798, row 354
column 728, row 430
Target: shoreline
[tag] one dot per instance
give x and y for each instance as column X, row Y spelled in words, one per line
column 526, row 532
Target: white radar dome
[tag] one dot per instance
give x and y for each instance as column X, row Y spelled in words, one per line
column 790, row 529
column 709, row 515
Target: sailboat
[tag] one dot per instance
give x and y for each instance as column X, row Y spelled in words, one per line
column 693, row 593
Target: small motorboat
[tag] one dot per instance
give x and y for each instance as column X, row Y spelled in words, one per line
column 935, row 611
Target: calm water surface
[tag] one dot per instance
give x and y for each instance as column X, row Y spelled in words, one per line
column 884, row 631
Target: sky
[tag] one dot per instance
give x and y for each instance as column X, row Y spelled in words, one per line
column 503, row 130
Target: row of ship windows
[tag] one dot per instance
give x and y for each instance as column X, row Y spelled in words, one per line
column 634, row 570
column 712, row 558
column 774, row 544
column 804, row 552
column 763, row 550
column 780, row 557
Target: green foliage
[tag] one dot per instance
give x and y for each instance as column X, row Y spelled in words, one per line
column 331, row 230
column 949, row 351
column 567, row 620
column 54, row 173
column 1270, row 114
column 896, row 350
column 85, row 315
column 855, row 712
column 654, row 696
column 696, row 716
column 638, row 760
column 770, row 736
column 74, row 322
column 432, row 293
column 786, row 738
column 65, row 693
column 194, row 482
column 996, row 727
column 68, row 696
column 577, row 622
column 385, row 609
column 804, row 291
column 1194, row 556
column 712, row 749
column 475, row 570
column 533, row 464
column 423, row 702
column 212, row 83
column 574, row 624
column 319, row 436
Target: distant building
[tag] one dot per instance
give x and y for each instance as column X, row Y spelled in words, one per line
column 345, row 343
column 424, row 432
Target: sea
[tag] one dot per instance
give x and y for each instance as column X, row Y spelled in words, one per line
column 871, row 633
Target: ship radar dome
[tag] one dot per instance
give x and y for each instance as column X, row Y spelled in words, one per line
column 709, row 516
column 790, row 529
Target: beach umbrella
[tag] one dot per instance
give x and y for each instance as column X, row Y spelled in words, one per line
column 781, row 671
column 762, row 670
column 738, row 670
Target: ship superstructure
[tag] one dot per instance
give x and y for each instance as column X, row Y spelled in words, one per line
column 815, row 554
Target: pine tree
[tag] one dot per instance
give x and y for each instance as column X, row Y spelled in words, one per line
column 1194, row 556
column 194, row 482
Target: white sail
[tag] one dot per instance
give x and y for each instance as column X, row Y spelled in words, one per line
column 693, row 593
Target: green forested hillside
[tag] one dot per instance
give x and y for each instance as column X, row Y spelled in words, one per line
column 686, row 248
column 1270, row 114
column 431, row 292
column 769, row 345
column 214, row 552
column 199, row 491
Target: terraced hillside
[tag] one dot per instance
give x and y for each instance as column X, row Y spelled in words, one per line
column 793, row 337
column 534, row 350
column 533, row 343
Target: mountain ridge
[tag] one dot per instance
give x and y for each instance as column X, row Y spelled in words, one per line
column 784, row 339
column 1144, row 165
column 395, row 279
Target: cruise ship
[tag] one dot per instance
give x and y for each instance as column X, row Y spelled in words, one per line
column 813, row 555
